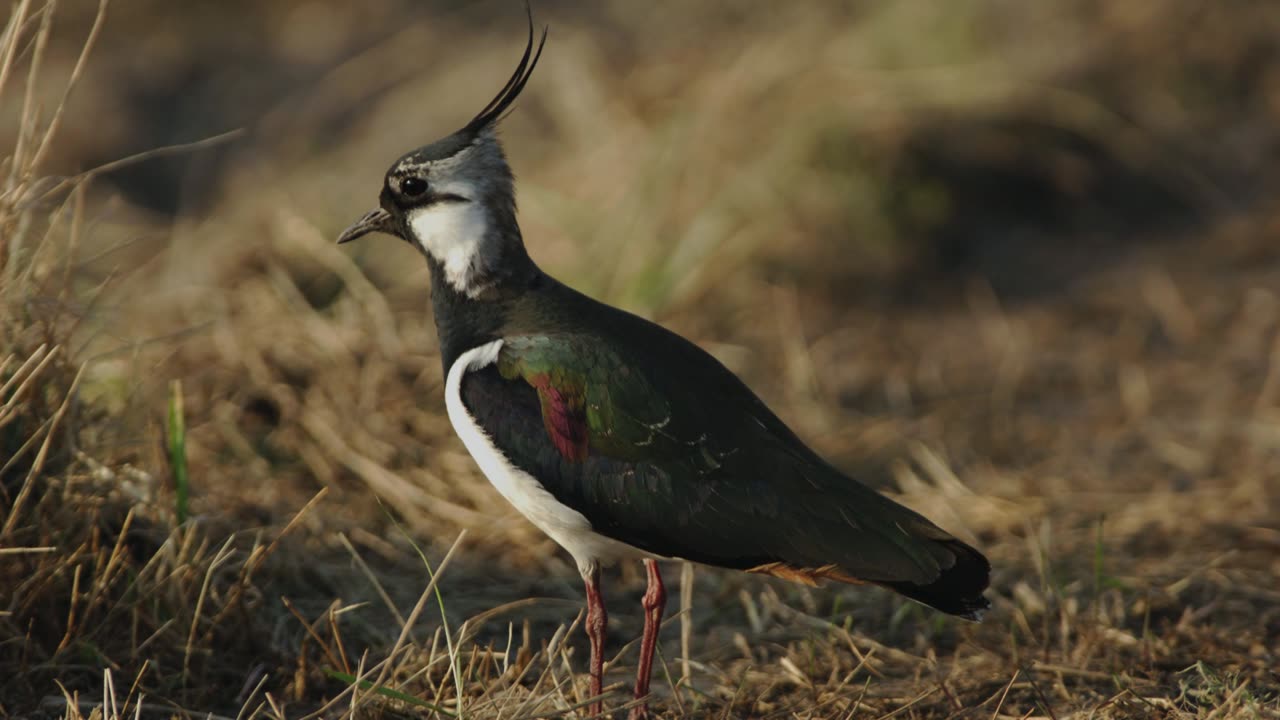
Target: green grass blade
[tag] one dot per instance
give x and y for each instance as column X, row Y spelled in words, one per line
column 176, row 428
column 387, row 692
column 444, row 616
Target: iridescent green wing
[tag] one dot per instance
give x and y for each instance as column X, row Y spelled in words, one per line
column 591, row 399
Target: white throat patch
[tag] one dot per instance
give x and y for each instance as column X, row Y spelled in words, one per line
column 454, row 234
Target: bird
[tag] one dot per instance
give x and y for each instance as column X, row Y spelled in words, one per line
column 620, row 439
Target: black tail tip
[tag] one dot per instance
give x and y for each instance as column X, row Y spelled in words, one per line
column 958, row 590
column 970, row 608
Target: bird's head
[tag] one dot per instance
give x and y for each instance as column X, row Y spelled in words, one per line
column 454, row 199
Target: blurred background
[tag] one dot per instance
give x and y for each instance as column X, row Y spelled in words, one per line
column 1013, row 262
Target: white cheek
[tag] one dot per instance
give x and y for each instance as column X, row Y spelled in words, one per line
column 453, row 233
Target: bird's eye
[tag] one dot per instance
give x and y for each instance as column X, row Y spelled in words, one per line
column 413, row 186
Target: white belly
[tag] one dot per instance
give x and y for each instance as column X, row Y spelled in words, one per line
column 568, row 527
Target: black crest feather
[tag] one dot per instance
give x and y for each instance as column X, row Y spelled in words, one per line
column 492, row 112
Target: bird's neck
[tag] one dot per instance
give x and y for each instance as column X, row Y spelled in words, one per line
column 469, row 314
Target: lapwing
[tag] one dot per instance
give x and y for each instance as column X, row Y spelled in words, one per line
column 618, row 438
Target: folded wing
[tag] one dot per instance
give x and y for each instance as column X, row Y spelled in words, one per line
column 697, row 467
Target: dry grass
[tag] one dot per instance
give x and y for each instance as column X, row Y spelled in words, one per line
column 1009, row 261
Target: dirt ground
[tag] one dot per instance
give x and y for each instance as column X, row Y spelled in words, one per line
column 1017, row 265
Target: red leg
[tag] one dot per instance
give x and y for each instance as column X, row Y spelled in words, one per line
column 597, row 621
column 654, row 602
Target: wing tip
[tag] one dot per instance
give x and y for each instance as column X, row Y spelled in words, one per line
column 971, row 609
column 959, row 589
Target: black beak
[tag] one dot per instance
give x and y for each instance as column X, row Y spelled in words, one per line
column 373, row 221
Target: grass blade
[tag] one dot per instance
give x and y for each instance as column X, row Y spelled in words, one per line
column 350, row 679
column 177, row 434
